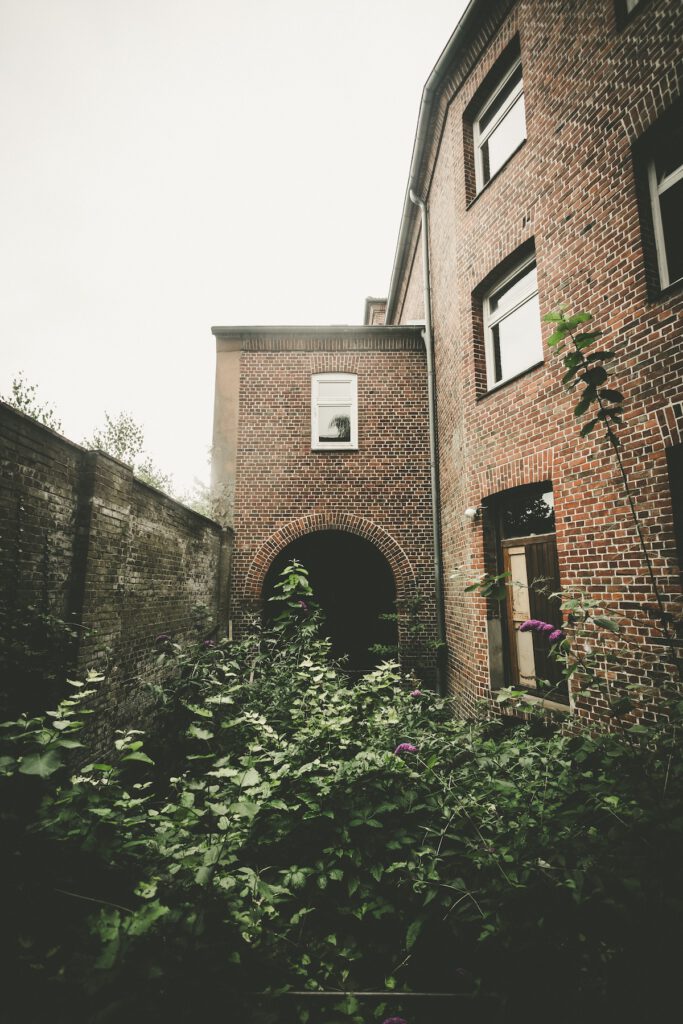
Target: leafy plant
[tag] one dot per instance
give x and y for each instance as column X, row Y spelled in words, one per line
column 124, row 439
column 587, row 373
column 302, row 832
column 24, row 397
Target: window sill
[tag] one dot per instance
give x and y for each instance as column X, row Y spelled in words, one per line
column 335, row 448
column 543, row 702
column 510, row 380
column 470, row 204
column 664, row 294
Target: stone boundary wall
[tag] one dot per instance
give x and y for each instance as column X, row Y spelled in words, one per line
column 83, row 540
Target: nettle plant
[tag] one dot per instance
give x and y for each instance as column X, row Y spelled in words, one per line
column 301, row 832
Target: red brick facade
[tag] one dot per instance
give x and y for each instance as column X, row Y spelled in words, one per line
column 593, row 87
column 285, row 489
column 575, row 194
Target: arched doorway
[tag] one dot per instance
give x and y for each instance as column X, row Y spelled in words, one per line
column 354, row 585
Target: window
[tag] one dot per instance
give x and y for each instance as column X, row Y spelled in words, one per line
column 334, row 411
column 675, row 462
column 512, row 324
column 665, row 180
column 522, row 542
column 500, row 126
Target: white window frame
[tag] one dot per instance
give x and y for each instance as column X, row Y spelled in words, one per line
column 491, row 319
column 657, row 188
column 481, row 137
column 316, row 404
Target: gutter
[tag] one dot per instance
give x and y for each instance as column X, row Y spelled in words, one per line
column 441, row 684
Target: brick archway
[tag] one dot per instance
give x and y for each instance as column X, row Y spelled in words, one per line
column 402, row 570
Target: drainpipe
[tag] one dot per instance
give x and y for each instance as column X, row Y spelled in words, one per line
column 433, row 455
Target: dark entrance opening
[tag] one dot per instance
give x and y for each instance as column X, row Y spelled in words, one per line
column 353, row 584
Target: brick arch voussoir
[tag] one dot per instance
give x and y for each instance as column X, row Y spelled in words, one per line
column 516, row 473
column 404, row 575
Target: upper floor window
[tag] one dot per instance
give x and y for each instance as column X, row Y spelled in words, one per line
column 665, row 179
column 334, row 411
column 500, row 126
column 512, row 324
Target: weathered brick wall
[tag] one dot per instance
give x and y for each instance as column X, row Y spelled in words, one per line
column 381, row 491
column 592, row 89
column 83, row 540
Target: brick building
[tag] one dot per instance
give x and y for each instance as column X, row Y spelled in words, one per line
column 547, row 168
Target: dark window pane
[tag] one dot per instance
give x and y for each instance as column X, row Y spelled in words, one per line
column 500, row 100
column 670, row 156
column 675, row 460
column 504, row 139
column 529, row 510
column 334, row 423
column 671, row 206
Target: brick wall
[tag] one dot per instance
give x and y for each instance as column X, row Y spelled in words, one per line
column 284, row 489
column 592, row 89
column 82, row 539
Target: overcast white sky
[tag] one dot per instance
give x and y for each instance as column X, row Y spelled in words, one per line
column 168, row 165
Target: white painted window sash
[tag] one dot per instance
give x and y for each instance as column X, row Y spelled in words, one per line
column 317, row 403
column 481, row 137
column 657, row 188
column 491, row 319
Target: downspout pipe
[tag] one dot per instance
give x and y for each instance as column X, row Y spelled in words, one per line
column 441, row 682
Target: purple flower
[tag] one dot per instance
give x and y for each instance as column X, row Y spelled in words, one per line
column 209, row 643
column 395, row 1020
column 553, row 633
column 303, row 605
column 415, row 693
column 162, row 638
column 406, row 748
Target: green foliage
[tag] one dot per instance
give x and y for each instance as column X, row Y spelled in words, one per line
column 24, row 397
column 607, row 410
column 124, row 439
column 36, row 653
column 586, row 371
column 417, row 639
column 490, row 585
column 278, row 843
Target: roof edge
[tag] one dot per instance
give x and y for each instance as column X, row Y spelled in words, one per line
column 430, row 93
column 252, row 331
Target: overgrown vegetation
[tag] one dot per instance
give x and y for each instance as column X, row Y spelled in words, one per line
column 290, row 830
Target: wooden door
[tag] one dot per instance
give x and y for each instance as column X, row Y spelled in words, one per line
column 532, row 564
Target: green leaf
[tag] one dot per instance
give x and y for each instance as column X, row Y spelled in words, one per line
column 556, row 337
column 596, row 376
column 146, row 916
column 602, row 356
column 605, row 623
column 583, row 406
column 554, row 318
column 570, row 374
column 250, row 778
column 587, row 427
column 199, row 734
column 608, row 395
column 44, row 764
column 412, row 933
column 138, row 756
